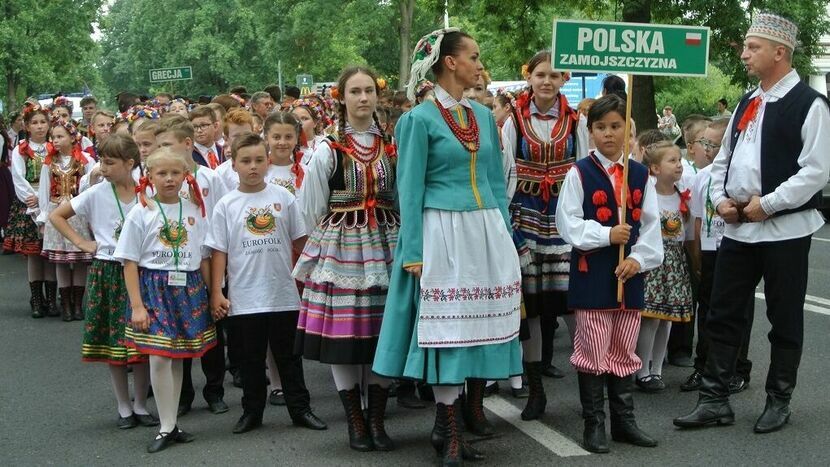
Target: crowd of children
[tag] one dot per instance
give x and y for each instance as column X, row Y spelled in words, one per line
column 269, row 229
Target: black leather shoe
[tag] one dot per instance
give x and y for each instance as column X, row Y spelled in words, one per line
column 475, row 421
column 651, row 384
column 146, row 419
column 218, row 406
column 707, row 412
column 692, row 382
column 406, row 396
column 624, row 427
column 310, row 421
column 520, row 393
column 246, row 423
column 553, row 372
column 591, row 396
column 162, row 442
column 125, row 423
column 628, row 432
column 183, row 410
column 775, row 416
column 277, row 397
column 738, row 384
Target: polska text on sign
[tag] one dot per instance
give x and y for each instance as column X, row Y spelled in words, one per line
column 634, row 48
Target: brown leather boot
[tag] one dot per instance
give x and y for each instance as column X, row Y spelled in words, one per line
column 78, row 303
column 66, row 303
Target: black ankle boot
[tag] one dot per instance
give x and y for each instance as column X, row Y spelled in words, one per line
column 439, row 433
column 377, row 410
column 536, row 399
column 593, row 402
column 473, row 409
column 406, row 396
column 624, row 428
column 78, row 303
column 36, row 302
column 359, row 438
column 713, row 402
column 66, row 303
column 781, row 379
column 52, row 309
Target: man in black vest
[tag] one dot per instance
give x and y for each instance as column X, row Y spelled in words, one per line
column 772, row 165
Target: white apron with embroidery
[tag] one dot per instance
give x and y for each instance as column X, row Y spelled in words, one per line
column 471, row 282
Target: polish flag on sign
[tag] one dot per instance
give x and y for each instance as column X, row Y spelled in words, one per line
column 693, row 38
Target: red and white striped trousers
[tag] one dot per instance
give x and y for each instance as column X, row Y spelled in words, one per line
column 605, row 342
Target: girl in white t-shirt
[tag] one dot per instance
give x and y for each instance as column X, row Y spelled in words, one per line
column 282, row 135
column 105, row 206
column 60, row 178
column 166, row 271
column 668, row 294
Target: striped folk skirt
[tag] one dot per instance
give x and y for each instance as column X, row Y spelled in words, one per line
column 344, row 268
column 21, row 232
column 105, row 313
column 180, row 322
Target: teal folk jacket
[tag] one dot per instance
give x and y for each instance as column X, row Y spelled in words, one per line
column 435, row 171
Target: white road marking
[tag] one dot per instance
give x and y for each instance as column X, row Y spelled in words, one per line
column 808, row 306
column 821, row 239
column 551, row 439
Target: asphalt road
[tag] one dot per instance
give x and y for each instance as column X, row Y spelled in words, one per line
column 55, row 410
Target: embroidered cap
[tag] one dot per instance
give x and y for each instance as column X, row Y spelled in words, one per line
column 775, row 28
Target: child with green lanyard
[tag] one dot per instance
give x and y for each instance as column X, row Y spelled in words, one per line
column 166, row 271
column 104, row 206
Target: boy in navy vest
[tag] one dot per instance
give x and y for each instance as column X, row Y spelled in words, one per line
column 766, row 183
column 588, row 217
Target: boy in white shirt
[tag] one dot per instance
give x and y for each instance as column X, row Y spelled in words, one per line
column 254, row 229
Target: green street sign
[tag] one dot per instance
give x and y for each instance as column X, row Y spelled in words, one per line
column 305, row 83
column 161, row 75
column 633, row 48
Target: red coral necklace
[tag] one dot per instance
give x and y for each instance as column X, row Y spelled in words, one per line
column 469, row 136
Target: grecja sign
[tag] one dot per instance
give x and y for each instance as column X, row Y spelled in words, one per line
column 633, row 48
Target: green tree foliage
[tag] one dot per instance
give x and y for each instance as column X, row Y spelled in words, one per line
column 696, row 95
column 46, row 46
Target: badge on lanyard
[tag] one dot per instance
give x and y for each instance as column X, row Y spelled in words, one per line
column 176, row 279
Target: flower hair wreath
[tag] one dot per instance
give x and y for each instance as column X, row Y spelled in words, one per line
column 425, row 55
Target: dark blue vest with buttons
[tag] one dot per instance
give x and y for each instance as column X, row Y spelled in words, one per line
column 596, row 288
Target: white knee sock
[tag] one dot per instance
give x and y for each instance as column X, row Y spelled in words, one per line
column 164, row 391
column 446, row 394
column 34, row 265
column 79, row 274
column 532, row 348
column 661, row 342
column 121, row 388
column 273, row 374
column 64, row 274
column 645, row 344
column 141, row 383
column 346, row 376
column 516, row 382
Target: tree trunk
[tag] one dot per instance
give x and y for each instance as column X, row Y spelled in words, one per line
column 406, row 8
column 11, row 92
column 643, row 109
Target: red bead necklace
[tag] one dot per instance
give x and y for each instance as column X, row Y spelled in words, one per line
column 364, row 152
column 468, row 137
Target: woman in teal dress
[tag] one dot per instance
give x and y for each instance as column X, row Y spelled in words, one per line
column 453, row 307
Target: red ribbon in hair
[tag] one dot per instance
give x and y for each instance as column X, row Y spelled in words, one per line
column 141, row 189
column 52, row 151
column 749, row 113
column 391, row 150
column 197, row 192
column 297, row 169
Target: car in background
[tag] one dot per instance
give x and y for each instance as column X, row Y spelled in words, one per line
column 74, row 97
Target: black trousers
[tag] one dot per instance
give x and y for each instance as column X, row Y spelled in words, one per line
column 738, row 270
column 213, row 366
column 707, row 278
column 250, row 336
